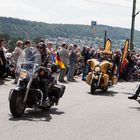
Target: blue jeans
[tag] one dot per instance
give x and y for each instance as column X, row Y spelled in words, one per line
column 62, row 73
column 71, row 71
column 85, row 71
column 130, row 71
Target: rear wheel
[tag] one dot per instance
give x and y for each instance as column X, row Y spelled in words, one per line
column 17, row 107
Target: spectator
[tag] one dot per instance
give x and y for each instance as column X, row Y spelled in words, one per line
column 51, row 52
column 17, row 51
column 16, row 54
column 72, row 63
column 86, row 55
column 2, row 60
column 64, row 56
column 117, row 61
column 27, row 44
column 130, row 65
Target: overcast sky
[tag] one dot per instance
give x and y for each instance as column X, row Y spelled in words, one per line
column 108, row 12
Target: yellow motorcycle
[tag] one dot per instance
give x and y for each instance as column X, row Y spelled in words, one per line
column 102, row 75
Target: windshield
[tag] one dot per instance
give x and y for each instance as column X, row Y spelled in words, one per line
column 29, row 56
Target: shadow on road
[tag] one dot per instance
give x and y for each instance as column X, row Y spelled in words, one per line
column 127, row 93
column 101, row 93
column 136, row 108
column 37, row 115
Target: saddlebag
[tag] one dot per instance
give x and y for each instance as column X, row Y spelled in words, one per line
column 58, row 90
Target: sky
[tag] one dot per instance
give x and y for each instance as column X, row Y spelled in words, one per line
column 115, row 13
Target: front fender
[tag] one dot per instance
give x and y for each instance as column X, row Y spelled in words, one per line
column 18, row 89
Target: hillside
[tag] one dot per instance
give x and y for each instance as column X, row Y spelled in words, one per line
column 29, row 29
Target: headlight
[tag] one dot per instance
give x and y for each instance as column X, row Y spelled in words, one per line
column 97, row 69
column 23, row 74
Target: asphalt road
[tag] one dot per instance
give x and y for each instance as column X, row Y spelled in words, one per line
column 79, row 116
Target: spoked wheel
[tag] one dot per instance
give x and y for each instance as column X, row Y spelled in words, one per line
column 17, row 107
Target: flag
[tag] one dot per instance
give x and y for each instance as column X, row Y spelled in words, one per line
column 125, row 50
column 108, row 45
column 124, row 60
column 59, row 62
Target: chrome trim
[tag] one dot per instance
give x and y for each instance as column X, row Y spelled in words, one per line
column 27, row 90
column 40, row 93
column 100, row 76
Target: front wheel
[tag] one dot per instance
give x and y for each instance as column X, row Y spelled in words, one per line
column 17, row 107
column 93, row 86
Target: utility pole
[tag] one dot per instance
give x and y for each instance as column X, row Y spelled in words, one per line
column 105, row 35
column 133, row 25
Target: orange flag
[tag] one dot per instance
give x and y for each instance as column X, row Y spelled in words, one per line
column 125, row 50
column 124, row 60
column 108, row 45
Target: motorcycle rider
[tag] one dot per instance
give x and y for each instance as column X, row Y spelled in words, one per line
column 135, row 96
column 2, row 60
column 107, row 55
column 44, row 83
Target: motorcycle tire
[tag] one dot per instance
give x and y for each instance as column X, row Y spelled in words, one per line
column 45, row 108
column 104, row 89
column 93, row 86
column 17, row 107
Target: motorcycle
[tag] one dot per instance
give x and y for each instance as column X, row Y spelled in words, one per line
column 28, row 92
column 136, row 73
column 10, row 66
column 102, row 75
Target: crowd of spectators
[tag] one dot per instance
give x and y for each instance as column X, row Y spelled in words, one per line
column 70, row 55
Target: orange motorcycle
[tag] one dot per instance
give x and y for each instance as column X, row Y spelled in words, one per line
column 102, row 75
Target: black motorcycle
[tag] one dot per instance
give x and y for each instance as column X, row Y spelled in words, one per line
column 10, row 67
column 136, row 73
column 28, row 92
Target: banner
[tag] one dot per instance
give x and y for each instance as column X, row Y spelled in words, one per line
column 124, row 61
column 125, row 50
column 108, row 45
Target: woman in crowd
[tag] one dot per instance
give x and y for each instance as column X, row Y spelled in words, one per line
column 16, row 53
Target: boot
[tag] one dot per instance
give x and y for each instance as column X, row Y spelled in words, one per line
column 134, row 97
